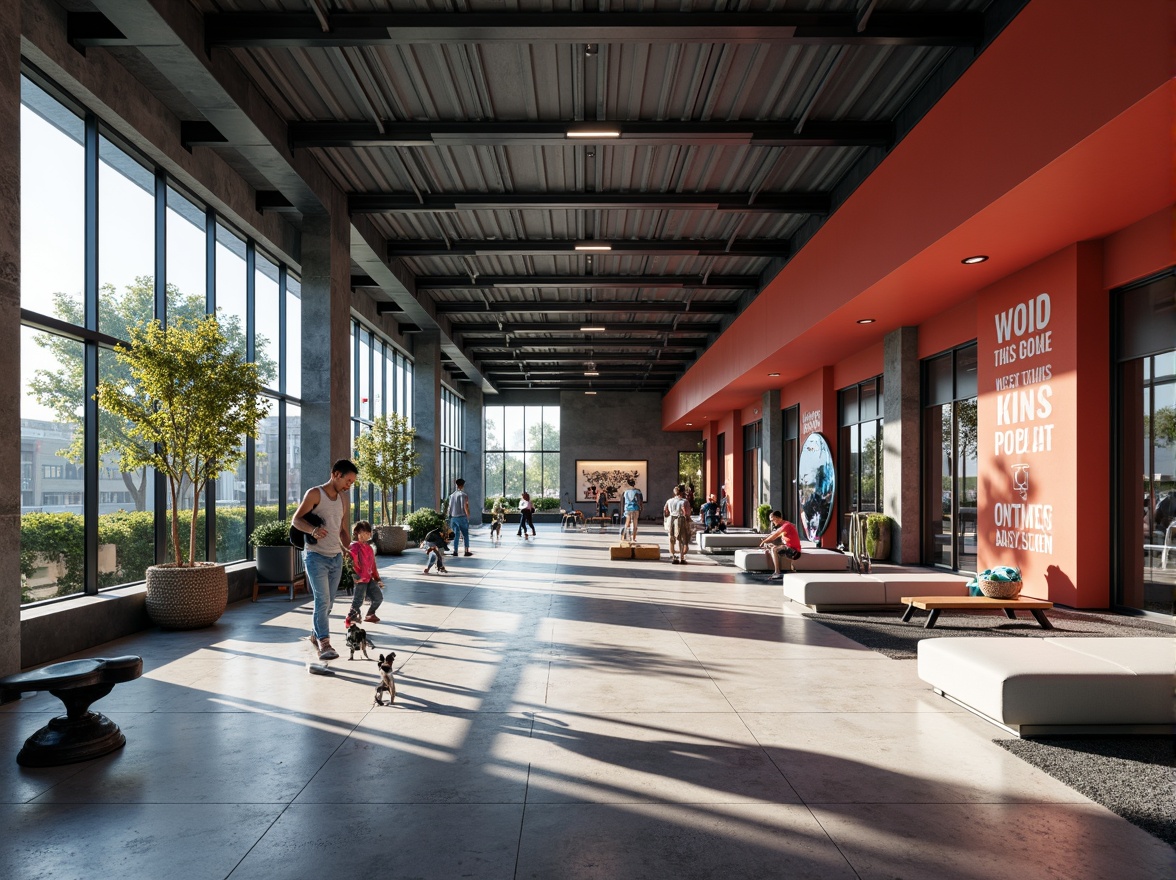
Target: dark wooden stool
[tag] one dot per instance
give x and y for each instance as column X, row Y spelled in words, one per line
column 79, row 734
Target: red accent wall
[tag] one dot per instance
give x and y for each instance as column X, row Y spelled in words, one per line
column 1142, row 249
column 866, row 364
column 948, row 329
column 1044, row 427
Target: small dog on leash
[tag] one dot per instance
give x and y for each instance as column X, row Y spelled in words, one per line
column 387, row 683
column 496, row 530
column 357, row 640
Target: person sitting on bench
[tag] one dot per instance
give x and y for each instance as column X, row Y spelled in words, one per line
column 710, row 515
column 784, row 540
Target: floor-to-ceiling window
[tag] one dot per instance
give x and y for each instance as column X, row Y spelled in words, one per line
column 453, row 442
column 790, row 457
column 752, row 483
column 381, row 385
column 1144, row 521
column 949, row 459
column 109, row 242
column 522, row 452
column 859, row 449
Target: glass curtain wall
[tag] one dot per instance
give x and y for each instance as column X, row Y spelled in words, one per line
column 522, row 452
column 752, row 474
column 860, row 450
column 108, row 243
column 381, row 385
column 1145, row 446
column 790, row 459
column 949, row 459
column 452, row 441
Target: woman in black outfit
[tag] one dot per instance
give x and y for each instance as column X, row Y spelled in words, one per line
column 526, row 516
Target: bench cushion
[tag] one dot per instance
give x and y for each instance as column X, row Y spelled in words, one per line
column 833, row 588
column 718, row 542
column 921, row 584
column 816, row 559
column 1055, row 681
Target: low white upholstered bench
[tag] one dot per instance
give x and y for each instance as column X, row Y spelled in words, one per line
column 816, row 559
column 845, row 591
column 1039, row 686
column 727, row 542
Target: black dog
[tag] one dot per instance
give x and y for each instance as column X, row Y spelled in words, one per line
column 387, row 683
column 357, row 640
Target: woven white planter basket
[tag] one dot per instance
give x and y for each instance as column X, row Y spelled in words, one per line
column 1000, row 589
column 186, row 598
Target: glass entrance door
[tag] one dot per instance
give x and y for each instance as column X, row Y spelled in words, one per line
column 1145, row 440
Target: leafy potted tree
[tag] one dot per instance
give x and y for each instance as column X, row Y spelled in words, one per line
column 386, row 457
column 188, row 399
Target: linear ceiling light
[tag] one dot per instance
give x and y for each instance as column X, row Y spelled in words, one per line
column 591, row 373
column 594, row 133
column 589, row 392
column 593, row 246
column 592, row 329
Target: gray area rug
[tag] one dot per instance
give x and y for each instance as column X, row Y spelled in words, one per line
column 1132, row 776
column 884, row 631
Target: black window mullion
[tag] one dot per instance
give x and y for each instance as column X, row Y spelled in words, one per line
column 90, row 364
column 210, row 309
column 282, row 489
column 251, row 356
column 159, row 487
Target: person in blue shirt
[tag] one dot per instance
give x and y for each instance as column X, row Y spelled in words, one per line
column 633, row 502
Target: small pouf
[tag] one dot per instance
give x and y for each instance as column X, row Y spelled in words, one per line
column 80, row 734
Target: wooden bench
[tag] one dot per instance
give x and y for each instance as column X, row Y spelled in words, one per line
column 935, row 604
column 79, row 734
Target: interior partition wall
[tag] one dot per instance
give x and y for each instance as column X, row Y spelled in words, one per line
column 109, row 242
column 1144, row 521
column 949, row 459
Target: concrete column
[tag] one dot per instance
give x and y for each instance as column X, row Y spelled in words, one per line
column 426, row 418
column 326, row 358
column 772, row 450
column 472, row 443
column 902, row 437
column 10, row 334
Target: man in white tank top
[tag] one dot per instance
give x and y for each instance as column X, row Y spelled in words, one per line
column 325, row 543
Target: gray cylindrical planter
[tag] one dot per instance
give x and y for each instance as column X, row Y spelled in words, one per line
column 390, row 540
column 277, row 565
column 186, row 598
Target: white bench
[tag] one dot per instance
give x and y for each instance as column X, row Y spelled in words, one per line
column 816, row 559
column 1039, row 686
column 843, row 591
column 729, row 542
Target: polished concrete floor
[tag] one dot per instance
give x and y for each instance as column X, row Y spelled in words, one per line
column 559, row 716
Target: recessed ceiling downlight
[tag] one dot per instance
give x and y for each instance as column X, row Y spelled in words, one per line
column 971, row 261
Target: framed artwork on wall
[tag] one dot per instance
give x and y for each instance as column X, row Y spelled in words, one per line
column 612, row 477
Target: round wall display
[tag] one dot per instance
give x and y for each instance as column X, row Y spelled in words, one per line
column 817, row 483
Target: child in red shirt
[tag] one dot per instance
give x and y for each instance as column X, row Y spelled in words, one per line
column 367, row 577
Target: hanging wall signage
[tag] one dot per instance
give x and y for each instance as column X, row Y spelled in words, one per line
column 817, row 482
column 1023, row 427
